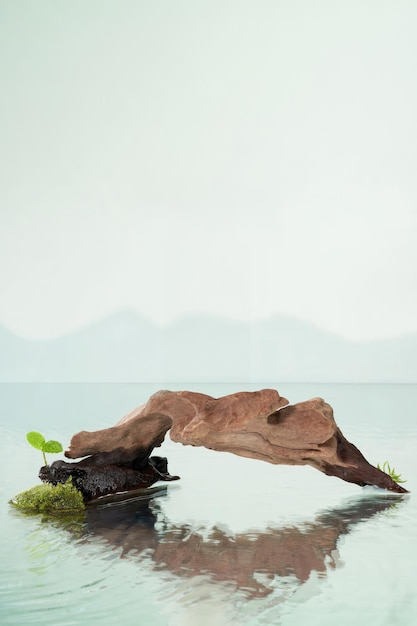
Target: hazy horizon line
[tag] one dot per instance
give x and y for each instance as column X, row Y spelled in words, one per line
column 178, row 318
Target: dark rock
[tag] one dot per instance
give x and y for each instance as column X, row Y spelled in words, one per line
column 100, row 475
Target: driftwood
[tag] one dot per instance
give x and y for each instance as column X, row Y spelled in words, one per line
column 258, row 425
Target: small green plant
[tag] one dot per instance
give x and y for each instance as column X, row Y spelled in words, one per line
column 391, row 472
column 39, row 442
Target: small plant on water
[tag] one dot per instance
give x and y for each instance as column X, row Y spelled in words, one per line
column 39, row 442
column 386, row 467
column 49, row 499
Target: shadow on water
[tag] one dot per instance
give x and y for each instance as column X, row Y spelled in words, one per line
column 250, row 561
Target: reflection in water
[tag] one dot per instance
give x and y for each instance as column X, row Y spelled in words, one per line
column 250, row 561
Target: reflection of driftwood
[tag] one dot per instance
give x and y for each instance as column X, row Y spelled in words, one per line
column 259, row 425
column 240, row 559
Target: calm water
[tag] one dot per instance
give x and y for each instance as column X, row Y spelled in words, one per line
column 235, row 541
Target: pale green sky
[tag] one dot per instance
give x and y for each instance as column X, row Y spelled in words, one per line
column 232, row 157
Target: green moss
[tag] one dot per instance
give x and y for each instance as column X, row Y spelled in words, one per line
column 50, row 499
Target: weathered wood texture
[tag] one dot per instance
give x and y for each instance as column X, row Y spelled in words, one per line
column 258, row 425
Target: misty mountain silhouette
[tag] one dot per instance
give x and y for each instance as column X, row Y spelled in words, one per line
column 126, row 347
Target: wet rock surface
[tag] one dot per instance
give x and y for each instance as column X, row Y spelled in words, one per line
column 96, row 477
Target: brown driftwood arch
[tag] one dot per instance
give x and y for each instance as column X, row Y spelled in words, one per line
column 259, row 425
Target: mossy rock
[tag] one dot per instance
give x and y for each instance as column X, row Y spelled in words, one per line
column 60, row 499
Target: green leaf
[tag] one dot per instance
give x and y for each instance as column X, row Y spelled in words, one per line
column 36, row 440
column 52, row 446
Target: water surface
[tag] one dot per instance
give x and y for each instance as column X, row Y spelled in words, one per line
column 235, row 541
